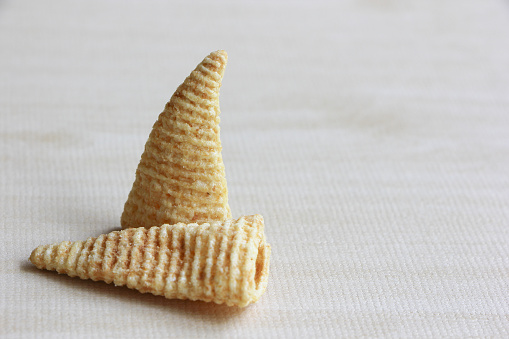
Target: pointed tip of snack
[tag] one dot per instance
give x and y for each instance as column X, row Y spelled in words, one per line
column 32, row 257
column 219, row 54
column 36, row 257
column 216, row 61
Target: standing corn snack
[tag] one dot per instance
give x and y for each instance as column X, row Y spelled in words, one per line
column 181, row 176
column 221, row 262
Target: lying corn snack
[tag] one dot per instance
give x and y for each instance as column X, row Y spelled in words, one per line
column 221, row 262
column 181, row 176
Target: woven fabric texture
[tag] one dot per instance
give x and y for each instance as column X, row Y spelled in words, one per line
column 373, row 137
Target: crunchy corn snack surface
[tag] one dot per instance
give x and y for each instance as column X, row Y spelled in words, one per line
column 221, row 262
column 181, row 175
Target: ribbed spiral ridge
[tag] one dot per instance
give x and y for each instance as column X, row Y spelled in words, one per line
column 221, row 262
column 181, row 175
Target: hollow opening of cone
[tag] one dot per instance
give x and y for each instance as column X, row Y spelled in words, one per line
column 262, row 269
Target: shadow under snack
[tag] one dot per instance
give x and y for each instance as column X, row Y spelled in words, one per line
column 206, row 311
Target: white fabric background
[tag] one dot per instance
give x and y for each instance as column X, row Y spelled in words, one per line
column 373, row 136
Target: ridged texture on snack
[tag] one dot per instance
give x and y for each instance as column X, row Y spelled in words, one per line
column 221, row 262
column 181, row 175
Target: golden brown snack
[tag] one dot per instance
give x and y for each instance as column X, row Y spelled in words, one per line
column 181, row 176
column 221, row 262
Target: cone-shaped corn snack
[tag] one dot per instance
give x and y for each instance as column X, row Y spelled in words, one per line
column 221, row 262
column 181, row 176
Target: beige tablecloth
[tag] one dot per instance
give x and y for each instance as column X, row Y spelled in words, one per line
column 373, row 136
